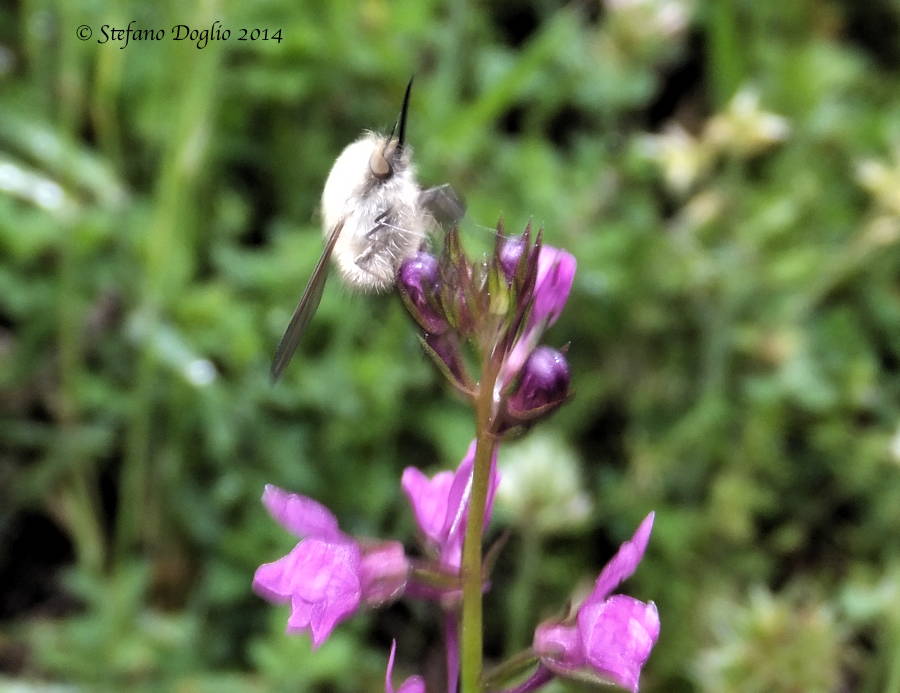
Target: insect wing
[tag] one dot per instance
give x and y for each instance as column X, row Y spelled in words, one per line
column 306, row 307
column 444, row 204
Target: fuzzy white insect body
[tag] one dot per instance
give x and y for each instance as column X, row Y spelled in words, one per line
column 383, row 223
column 374, row 217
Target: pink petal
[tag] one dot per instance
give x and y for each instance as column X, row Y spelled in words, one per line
column 300, row 515
column 326, row 587
column 389, row 672
column 275, row 581
column 458, row 495
column 559, row 647
column 555, row 275
column 428, row 498
column 458, row 505
column 624, row 563
column 618, row 635
column 301, row 616
column 384, row 571
column 319, row 618
column 310, row 569
column 414, row 684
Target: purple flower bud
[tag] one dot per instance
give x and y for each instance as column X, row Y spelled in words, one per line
column 417, row 279
column 509, row 253
column 544, row 384
column 611, row 637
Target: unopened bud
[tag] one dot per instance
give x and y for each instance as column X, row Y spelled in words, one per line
column 417, row 279
column 544, row 384
column 509, row 253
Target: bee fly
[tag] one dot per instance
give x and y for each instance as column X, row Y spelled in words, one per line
column 374, row 216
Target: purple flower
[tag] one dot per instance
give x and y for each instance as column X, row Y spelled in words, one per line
column 611, row 636
column 328, row 574
column 440, row 504
column 414, row 684
column 418, row 279
column 544, row 384
column 555, row 274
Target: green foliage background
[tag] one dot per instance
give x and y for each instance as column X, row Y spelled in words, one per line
column 734, row 340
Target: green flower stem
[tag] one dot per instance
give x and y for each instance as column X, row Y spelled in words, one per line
column 516, row 665
column 434, row 578
column 724, row 54
column 471, row 632
column 76, row 505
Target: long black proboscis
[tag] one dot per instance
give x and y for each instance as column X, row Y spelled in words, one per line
column 401, row 135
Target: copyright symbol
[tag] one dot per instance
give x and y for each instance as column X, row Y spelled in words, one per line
column 83, row 32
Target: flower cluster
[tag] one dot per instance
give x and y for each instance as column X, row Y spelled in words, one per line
column 328, row 576
column 482, row 323
column 502, row 307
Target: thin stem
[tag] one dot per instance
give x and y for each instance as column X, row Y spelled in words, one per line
column 538, row 679
column 892, row 642
column 472, row 631
column 428, row 577
column 78, row 506
column 451, row 642
column 513, row 667
column 724, row 53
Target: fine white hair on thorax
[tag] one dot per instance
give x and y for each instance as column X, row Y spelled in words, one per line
column 383, row 222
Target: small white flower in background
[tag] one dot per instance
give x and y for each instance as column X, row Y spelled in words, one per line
column 542, row 486
column 894, row 446
column 200, row 372
column 704, row 207
column 744, row 128
column 883, row 230
column 682, row 157
column 649, row 19
column 882, row 181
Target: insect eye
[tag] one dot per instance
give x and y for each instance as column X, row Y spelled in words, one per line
column 380, row 166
